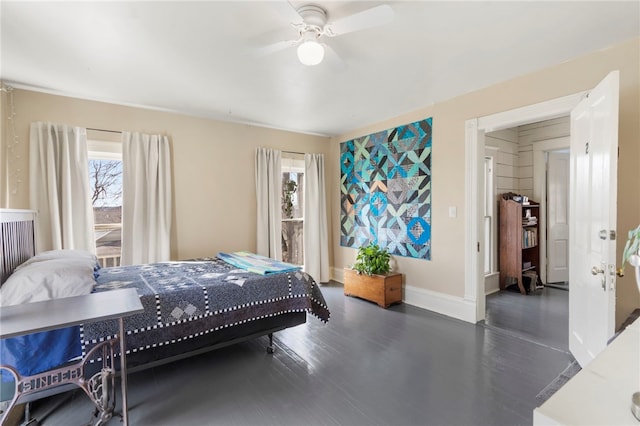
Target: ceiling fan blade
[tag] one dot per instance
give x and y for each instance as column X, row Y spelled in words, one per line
column 289, row 13
column 334, row 60
column 280, row 39
column 369, row 18
column 275, row 47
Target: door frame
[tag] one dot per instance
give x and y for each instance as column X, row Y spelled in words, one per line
column 540, row 191
column 475, row 130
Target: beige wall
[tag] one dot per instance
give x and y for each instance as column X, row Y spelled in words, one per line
column 445, row 272
column 214, row 200
column 214, row 191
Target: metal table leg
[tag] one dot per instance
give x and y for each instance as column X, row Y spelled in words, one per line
column 123, row 373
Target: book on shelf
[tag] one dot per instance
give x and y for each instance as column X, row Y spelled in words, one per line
column 529, row 238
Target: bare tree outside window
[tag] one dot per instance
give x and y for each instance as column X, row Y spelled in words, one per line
column 106, row 182
column 105, row 179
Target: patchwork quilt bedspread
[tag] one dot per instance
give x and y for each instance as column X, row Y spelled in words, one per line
column 186, row 299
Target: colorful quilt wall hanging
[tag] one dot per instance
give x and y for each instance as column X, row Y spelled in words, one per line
column 385, row 190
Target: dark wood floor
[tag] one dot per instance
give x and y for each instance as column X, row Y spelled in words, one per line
column 367, row 366
column 541, row 316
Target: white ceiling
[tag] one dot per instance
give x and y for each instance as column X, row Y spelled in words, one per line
column 202, row 58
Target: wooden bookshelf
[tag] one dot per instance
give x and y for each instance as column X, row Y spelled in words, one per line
column 519, row 236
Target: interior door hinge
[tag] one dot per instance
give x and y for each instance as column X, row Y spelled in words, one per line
column 478, row 246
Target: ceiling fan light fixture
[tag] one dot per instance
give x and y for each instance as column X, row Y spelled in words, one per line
column 310, row 52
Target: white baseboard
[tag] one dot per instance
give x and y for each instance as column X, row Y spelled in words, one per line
column 337, row 274
column 445, row 304
column 491, row 283
column 488, row 292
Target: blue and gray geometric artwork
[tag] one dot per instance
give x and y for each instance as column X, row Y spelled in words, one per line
column 385, row 190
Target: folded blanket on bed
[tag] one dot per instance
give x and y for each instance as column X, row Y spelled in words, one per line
column 257, row 264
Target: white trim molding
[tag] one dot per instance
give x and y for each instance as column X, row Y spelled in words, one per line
column 17, row 215
column 472, row 240
column 547, row 110
column 445, row 304
column 337, row 274
column 474, row 140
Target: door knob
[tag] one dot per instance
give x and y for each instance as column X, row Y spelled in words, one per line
column 595, row 270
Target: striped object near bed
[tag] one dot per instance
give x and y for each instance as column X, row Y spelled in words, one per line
column 257, row 264
column 17, row 239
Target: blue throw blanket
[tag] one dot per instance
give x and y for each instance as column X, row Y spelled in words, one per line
column 257, row 264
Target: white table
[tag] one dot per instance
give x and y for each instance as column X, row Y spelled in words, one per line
column 48, row 315
column 599, row 394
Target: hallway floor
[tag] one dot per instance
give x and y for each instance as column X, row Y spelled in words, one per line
column 541, row 316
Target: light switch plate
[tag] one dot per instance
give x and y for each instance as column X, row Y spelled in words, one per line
column 453, row 211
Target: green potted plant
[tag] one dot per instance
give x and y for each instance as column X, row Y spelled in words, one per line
column 372, row 260
column 631, row 254
column 370, row 277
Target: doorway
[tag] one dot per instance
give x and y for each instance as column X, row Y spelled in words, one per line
column 593, row 156
column 532, row 160
column 475, row 192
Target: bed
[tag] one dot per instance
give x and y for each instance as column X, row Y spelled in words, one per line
column 190, row 306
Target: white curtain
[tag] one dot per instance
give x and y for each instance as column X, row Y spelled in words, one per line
column 269, row 203
column 146, row 198
column 59, row 187
column 315, row 233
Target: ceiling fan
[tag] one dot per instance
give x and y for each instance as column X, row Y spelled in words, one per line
column 315, row 24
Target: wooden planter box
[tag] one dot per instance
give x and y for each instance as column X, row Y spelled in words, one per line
column 381, row 289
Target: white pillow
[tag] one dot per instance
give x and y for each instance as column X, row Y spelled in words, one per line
column 60, row 254
column 50, row 279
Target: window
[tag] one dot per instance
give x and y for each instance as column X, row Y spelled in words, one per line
column 292, row 210
column 489, row 228
column 105, row 182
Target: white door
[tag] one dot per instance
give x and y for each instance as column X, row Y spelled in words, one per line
column 592, row 223
column 558, row 216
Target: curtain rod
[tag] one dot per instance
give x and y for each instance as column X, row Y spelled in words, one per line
column 104, row 130
column 294, row 152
